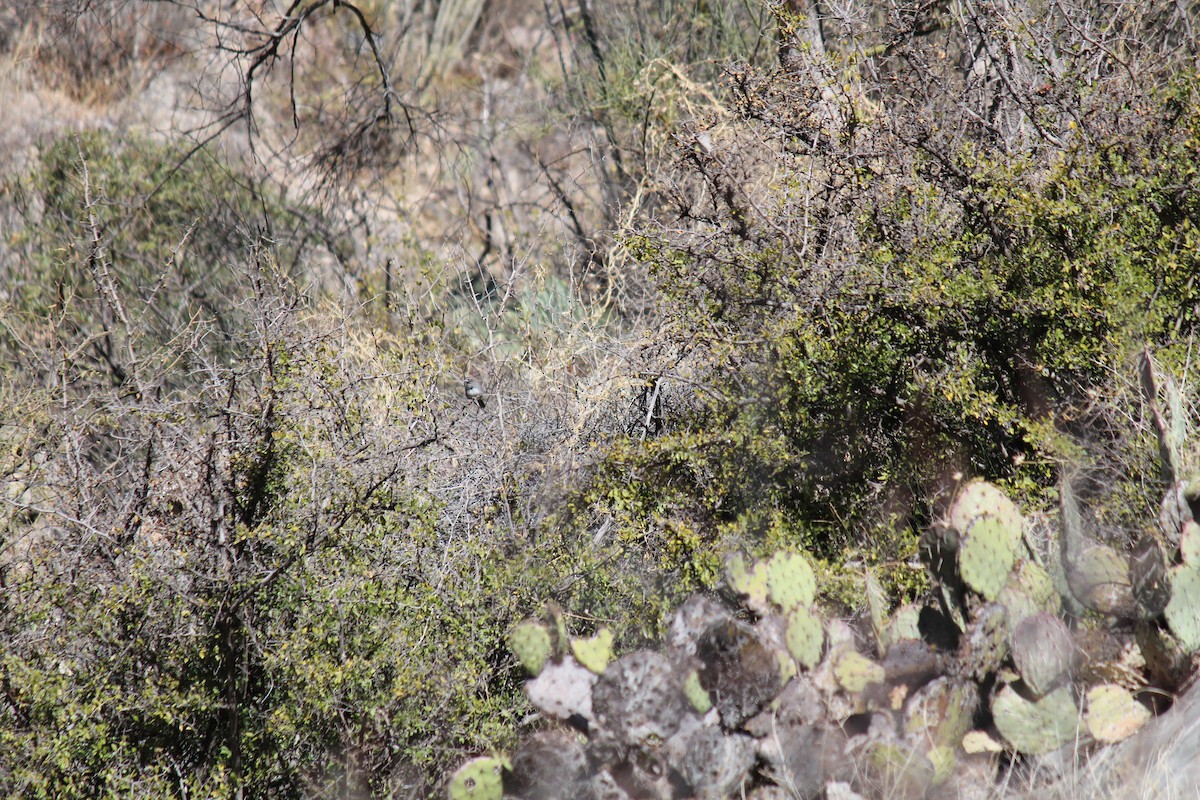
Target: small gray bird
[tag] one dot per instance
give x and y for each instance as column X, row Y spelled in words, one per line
column 473, row 388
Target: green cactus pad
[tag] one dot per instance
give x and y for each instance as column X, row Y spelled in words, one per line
column 1036, row 727
column 1099, row 578
column 530, row 643
column 790, row 581
column 986, row 555
column 904, row 624
column 855, row 672
column 1113, row 714
column 1189, row 544
column 748, row 580
column 787, row 666
column 1043, row 651
column 479, row 779
column 805, row 637
column 980, row 498
column 1030, row 589
column 696, row 696
column 596, row 652
column 1183, row 609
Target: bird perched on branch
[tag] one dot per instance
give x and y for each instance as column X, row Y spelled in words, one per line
column 473, row 387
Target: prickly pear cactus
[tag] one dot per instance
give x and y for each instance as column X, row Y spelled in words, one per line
column 639, row 696
column 530, row 643
column 1035, row 726
column 563, row 690
column 986, row 554
column 714, row 763
column 978, row 499
column 904, row 624
column 855, row 672
column 695, row 694
column 1099, row 578
column 1029, row 590
column 984, row 644
column 549, row 763
column 1189, row 544
column 1043, row 651
column 1112, row 713
column 1183, row 609
column 739, row 671
column 727, row 693
column 805, row 637
column 594, row 653
column 1167, row 660
column 749, row 580
column 940, row 713
column 479, row 779
column 691, row 620
column 790, row 581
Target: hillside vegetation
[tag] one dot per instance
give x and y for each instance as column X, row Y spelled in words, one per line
column 734, row 278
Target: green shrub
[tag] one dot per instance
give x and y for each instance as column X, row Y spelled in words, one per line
column 848, row 335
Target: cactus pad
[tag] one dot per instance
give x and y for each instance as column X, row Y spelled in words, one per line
column 639, row 696
column 748, row 580
column 986, row 555
column 714, row 764
column 1113, row 714
column 790, row 581
column 940, row 713
column 980, row 498
column 1099, row 578
column 855, row 672
column 530, row 643
column 1172, row 516
column 549, row 763
column 1189, row 544
column 478, row 779
column 904, row 624
column 695, row 694
column 1030, row 589
column 1035, row 727
column 1167, row 660
column 1183, row 609
column 805, row 637
column 594, row 653
column 739, row 670
column 690, row 621
column 984, row 644
column 979, row 742
column 1043, row 651
column 563, row 690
